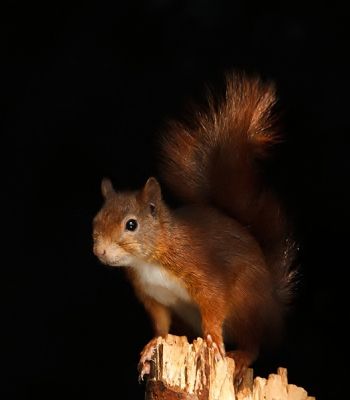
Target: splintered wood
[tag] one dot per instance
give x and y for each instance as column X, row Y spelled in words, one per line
column 189, row 372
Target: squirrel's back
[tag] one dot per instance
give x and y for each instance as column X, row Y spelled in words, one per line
column 214, row 158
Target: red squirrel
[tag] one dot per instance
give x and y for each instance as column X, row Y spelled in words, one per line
column 222, row 261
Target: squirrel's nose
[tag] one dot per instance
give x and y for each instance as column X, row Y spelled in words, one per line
column 100, row 251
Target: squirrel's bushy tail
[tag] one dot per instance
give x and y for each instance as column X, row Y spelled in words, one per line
column 213, row 158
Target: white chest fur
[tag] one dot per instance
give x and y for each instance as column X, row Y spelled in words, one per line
column 159, row 284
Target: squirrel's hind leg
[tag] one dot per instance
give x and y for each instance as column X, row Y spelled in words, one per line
column 242, row 359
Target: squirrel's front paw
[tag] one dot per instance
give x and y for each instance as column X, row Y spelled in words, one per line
column 144, row 366
column 217, row 346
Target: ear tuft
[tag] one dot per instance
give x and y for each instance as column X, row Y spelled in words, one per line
column 151, row 193
column 106, row 188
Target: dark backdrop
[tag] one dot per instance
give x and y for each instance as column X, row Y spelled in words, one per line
column 84, row 89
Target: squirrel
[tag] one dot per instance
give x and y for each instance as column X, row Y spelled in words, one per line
column 223, row 260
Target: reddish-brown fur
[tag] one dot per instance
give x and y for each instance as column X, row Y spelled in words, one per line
column 226, row 255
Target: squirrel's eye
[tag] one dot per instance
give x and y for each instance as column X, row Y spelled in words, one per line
column 131, row 225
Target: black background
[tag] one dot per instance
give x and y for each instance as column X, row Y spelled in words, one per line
column 84, row 89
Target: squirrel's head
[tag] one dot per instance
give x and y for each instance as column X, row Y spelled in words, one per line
column 128, row 224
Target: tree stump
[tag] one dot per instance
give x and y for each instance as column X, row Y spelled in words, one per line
column 184, row 371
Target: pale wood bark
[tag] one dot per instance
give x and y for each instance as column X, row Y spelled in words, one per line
column 184, row 371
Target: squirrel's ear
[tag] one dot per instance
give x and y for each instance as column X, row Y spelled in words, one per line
column 106, row 187
column 151, row 193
